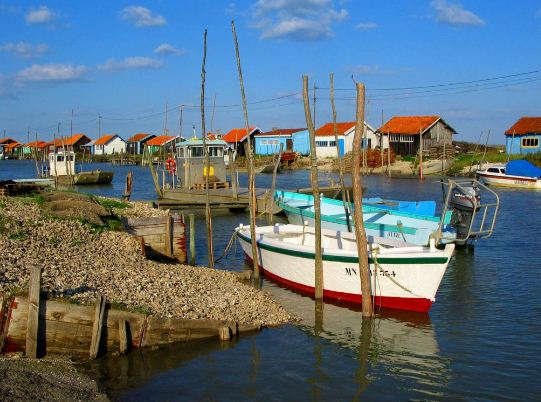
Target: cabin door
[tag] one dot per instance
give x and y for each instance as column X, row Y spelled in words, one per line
column 289, row 144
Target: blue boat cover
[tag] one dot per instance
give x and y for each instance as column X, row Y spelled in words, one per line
column 522, row 168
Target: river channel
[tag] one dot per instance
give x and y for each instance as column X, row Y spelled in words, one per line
column 480, row 341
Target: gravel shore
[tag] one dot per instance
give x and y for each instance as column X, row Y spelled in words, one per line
column 80, row 262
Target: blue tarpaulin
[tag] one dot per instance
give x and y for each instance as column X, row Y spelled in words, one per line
column 522, row 168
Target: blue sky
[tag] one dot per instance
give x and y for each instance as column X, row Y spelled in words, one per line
column 475, row 63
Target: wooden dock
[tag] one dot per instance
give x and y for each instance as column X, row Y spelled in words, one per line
column 222, row 198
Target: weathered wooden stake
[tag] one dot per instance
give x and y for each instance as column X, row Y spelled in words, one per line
column 318, row 263
column 388, row 155
column 123, row 336
column 358, row 207
column 252, row 203
column 127, row 190
column 97, row 327
column 169, row 224
column 208, row 215
column 339, row 158
column 159, row 191
column 192, row 239
column 32, row 326
column 233, row 174
column 273, row 185
column 421, row 153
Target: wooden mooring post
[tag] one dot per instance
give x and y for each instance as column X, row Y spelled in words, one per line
column 360, row 233
column 32, row 328
column 97, row 327
column 315, row 191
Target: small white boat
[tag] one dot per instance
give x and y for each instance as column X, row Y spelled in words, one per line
column 62, row 166
column 403, row 275
column 517, row 173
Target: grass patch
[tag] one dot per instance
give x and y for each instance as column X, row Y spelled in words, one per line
column 112, row 204
column 20, row 235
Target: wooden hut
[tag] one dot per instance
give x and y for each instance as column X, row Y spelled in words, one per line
column 405, row 133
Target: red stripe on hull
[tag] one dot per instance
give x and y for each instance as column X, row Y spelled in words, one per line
column 399, row 303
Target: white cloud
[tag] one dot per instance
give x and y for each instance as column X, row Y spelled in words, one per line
column 24, row 49
column 48, row 73
column 40, row 15
column 131, row 63
column 141, row 17
column 167, row 49
column 454, row 14
column 365, row 26
column 296, row 19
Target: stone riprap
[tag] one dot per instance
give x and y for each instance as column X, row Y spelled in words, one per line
column 80, row 262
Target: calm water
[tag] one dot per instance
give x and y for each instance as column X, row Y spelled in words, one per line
column 481, row 340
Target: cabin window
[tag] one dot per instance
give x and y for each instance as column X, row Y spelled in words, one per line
column 332, row 143
column 493, row 170
column 215, row 151
column 530, row 142
column 180, row 152
column 197, row 151
column 322, row 143
column 60, row 158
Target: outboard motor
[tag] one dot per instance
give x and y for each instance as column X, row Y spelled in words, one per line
column 463, row 203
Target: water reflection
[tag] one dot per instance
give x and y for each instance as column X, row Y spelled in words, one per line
column 403, row 343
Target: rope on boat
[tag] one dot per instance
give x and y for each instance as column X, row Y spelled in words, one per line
column 386, row 274
column 229, row 245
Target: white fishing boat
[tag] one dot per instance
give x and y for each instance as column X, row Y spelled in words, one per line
column 62, row 167
column 517, row 173
column 402, row 275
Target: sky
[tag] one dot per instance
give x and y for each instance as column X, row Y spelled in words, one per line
column 477, row 64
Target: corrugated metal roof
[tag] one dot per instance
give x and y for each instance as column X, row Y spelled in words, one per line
column 525, row 125
column 409, row 124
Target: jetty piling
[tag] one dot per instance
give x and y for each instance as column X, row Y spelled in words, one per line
column 32, row 326
column 97, row 327
column 248, row 147
column 360, row 233
column 315, row 191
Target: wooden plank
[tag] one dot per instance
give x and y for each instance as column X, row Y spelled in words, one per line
column 168, row 238
column 122, row 336
column 32, row 326
column 97, row 327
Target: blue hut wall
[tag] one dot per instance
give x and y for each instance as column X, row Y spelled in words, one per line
column 513, row 145
column 269, row 145
column 301, row 142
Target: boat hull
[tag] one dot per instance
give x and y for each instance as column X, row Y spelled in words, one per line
column 398, row 281
column 501, row 180
column 92, row 177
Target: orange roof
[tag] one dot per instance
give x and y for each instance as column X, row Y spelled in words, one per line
column 408, row 124
column 236, row 135
column 105, row 139
column 36, row 144
column 328, row 129
column 6, row 140
column 525, row 125
column 12, row 145
column 161, row 140
column 67, row 141
column 138, row 137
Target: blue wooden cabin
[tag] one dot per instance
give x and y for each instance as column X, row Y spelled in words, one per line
column 524, row 137
column 269, row 143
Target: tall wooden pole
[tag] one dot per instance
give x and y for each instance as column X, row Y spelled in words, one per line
column 249, row 155
column 339, row 157
column 358, row 211
column 315, row 191
column 420, row 153
column 208, row 216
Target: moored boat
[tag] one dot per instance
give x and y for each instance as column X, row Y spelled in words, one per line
column 517, row 173
column 62, row 167
column 382, row 218
column 403, row 275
